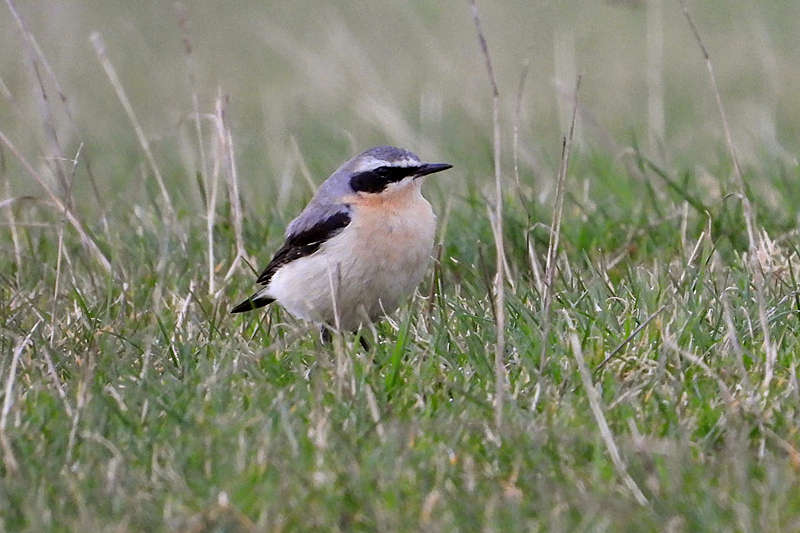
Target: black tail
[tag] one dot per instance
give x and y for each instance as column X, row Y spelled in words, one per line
column 251, row 303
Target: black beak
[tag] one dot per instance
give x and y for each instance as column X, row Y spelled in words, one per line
column 429, row 168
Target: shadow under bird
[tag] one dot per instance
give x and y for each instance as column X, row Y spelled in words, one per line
column 359, row 248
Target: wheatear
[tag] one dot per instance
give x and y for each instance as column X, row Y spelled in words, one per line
column 359, row 247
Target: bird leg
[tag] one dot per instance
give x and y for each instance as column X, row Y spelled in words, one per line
column 327, row 337
column 363, row 341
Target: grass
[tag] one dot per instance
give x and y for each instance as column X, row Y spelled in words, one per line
column 132, row 400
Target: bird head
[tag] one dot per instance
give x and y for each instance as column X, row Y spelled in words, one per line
column 385, row 169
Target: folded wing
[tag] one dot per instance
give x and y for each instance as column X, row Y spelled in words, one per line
column 302, row 241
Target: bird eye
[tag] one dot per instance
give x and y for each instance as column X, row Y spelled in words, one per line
column 381, row 172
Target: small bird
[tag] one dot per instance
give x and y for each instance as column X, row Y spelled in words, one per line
column 359, row 247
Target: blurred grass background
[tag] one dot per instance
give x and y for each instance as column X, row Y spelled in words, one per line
column 338, row 77
column 133, row 402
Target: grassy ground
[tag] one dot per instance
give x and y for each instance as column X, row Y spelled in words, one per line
column 659, row 393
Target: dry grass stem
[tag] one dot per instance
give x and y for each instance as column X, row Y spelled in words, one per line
column 555, row 227
column 749, row 216
column 497, row 229
column 111, row 73
column 517, row 118
column 87, row 241
column 37, row 55
column 54, row 307
column 628, row 339
column 12, row 224
column 655, row 72
column 232, row 180
column 44, row 104
column 8, row 400
column 730, row 328
column 669, row 342
column 607, row 370
column 594, row 403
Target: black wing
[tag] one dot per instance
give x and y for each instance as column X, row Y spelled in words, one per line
column 305, row 243
column 299, row 244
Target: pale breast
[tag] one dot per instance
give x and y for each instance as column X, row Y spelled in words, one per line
column 394, row 242
column 396, row 238
column 369, row 268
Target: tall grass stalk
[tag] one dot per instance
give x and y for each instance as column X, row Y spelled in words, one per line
column 497, row 229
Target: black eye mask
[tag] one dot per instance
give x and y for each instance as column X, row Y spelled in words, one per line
column 377, row 179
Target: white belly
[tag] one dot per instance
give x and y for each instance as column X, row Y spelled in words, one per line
column 362, row 273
